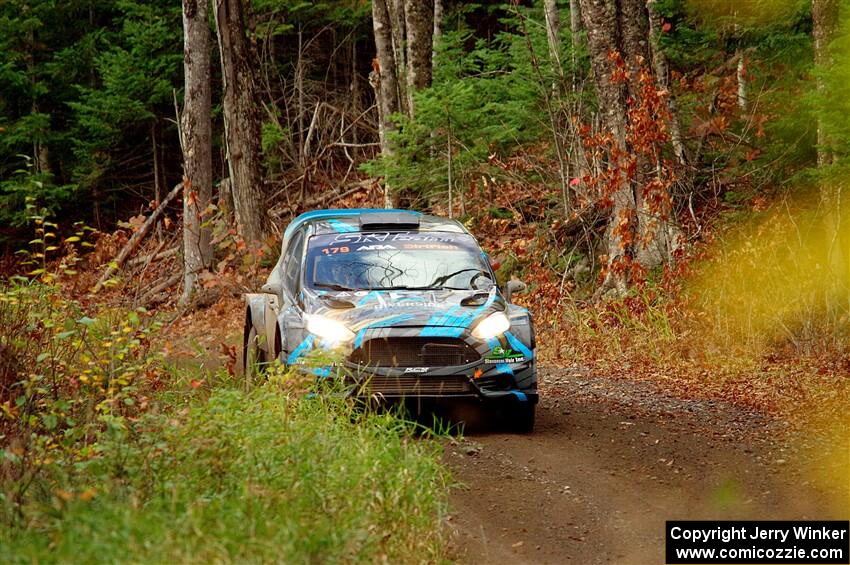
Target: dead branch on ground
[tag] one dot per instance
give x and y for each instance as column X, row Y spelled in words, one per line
column 137, row 238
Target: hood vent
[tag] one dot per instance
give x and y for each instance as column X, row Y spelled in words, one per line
column 336, row 303
column 477, row 299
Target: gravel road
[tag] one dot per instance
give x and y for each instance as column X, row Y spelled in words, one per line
column 610, row 461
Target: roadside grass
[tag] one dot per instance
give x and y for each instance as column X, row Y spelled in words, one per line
column 244, row 477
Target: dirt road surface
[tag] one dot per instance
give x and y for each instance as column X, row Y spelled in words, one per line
column 611, row 460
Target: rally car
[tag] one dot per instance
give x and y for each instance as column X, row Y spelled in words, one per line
column 405, row 305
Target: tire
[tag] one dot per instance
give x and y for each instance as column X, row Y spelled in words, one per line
column 253, row 358
column 521, row 418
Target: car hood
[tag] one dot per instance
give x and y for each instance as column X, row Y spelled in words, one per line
column 400, row 308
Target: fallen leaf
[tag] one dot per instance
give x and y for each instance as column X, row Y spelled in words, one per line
column 63, row 494
column 87, row 494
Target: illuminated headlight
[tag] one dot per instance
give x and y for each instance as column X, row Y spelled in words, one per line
column 330, row 330
column 491, row 326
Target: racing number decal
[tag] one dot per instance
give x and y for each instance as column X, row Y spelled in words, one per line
column 335, row 250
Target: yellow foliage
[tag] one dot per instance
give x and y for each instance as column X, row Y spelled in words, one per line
column 780, row 278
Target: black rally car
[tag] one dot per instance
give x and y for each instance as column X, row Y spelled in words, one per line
column 408, row 304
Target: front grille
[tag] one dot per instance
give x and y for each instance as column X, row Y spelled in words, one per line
column 414, row 352
column 412, row 384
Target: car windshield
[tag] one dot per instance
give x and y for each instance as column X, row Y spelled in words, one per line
column 402, row 260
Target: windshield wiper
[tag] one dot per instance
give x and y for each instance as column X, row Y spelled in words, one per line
column 334, row 286
column 444, row 278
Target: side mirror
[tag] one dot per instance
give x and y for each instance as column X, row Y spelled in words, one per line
column 272, row 288
column 512, row 287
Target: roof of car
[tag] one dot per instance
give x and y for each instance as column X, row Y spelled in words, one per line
column 352, row 220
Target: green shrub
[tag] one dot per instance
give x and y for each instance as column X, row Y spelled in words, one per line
column 65, row 378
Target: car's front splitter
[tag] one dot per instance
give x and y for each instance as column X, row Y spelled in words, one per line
column 485, row 381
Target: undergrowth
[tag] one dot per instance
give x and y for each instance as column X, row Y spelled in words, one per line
column 259, row 476
column 109, row 455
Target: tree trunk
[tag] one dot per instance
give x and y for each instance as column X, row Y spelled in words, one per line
column 438, row 29
column 659, row 64
column 419, row 22
column 553, row 28
column 633, row 24
column 741, row 75
column 384, row 79
column 356, row 98
column 825, row 16
column 299, row 87
column 576, row 154
column 241, row 120
column 825, row 20
column 575, row 38
column 650, row 244
column 658, row 236
column 157, row 188
column 225, row 200
column 398, row 34
column 196, row 130
column 601, row 23
column 42, row 158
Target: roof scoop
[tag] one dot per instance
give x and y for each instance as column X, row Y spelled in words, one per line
column 373, row 221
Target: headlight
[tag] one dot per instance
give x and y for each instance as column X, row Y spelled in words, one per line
column 328, row 329
column 491, row 326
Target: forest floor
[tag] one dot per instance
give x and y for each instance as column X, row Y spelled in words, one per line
column 611, row 459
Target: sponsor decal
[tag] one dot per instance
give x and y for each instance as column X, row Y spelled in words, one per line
column 399, row 305
column 416, row 370
column 376, row 247
column 444, row 246
column 501, row 354
column 343, row 238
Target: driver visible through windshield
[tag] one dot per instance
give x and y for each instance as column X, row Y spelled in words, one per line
column 396, row 261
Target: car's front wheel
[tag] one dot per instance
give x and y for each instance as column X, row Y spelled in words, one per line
column 521, row 418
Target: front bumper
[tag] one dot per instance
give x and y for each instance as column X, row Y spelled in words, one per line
column 486, row 380
column 503, row 368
